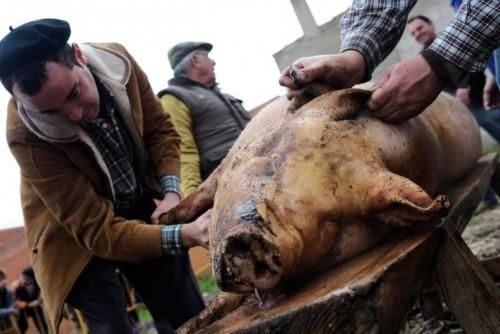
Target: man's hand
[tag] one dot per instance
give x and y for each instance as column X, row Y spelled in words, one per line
column 463, row 94
column 34, row 303
column 170, row 200
column 21, row 305
column 309, row 77
column 196, row 233
column 491, row 94
column 405, row 90
column 342, row 70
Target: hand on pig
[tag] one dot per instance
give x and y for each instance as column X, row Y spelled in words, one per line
column 170, row 200
column 196, row 233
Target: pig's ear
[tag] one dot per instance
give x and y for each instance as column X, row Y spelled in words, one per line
column 341, row 104
column 398, row 201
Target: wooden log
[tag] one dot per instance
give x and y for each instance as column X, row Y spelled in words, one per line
column 371, row 293
column 355, row 297
column 466, row 287
column 466, row 195
column 431, row 305
column 495, row 180
column 430, row 300
column 492, row 266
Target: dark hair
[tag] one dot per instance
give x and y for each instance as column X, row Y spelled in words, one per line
column 2, row 274
column 32, row 76
column 420, row 17
column 28, row 272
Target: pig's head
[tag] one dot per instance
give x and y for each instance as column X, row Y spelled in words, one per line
column 256, row 244
column 252, row 244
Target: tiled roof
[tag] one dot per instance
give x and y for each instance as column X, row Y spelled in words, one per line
column 14, row 252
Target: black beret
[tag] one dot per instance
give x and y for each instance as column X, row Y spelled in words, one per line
column 181, row 50
column 30, row 42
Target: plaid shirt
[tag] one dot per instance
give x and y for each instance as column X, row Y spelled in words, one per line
column 171, row 242
column 471, row 36
column 373, row 27
column 113, row 142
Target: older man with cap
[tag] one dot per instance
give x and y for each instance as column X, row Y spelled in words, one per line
column 95, row 148
column 207, row 120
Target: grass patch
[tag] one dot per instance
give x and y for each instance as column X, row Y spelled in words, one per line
column 144, row 315
column 207, row 285
column 492, row 149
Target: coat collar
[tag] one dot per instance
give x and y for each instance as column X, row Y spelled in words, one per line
column 185, row 81
column 111, row 67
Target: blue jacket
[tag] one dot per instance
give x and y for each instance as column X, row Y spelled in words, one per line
column 7, row 302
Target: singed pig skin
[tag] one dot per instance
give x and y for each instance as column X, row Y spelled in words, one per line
column 305, row 188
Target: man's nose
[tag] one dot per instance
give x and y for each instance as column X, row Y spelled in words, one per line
column 74, row 112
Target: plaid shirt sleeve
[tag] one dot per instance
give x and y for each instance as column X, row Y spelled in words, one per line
column 374, row 27
column 171, row 241
column 471, row 36
column 170, row 183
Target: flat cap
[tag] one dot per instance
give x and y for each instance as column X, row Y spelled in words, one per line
column 30, row 42
column 181, row 50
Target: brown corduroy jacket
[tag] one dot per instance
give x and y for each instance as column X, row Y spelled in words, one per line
column 66, row 190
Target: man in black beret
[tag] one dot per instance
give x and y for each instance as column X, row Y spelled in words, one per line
column 208, row 121
column 81, row 122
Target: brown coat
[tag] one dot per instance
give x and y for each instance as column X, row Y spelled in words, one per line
column 66, row 191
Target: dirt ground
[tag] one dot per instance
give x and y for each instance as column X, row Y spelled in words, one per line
column 483, row 237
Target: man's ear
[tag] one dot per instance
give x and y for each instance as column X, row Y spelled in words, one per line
column 79, row 56
column 194, row 61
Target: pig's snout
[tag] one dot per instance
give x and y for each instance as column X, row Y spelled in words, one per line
column 248, row 261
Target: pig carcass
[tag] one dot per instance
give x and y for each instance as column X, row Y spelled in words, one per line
column 303, row 189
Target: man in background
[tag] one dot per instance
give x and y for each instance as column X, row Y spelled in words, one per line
column 7, row 303
column 208, row 121
column 29, row 302
column 470, row 93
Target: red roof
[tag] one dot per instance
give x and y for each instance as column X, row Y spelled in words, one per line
column 14, row 252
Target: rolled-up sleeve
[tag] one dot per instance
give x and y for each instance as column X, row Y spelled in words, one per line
column 373, row 28
column 471, row 36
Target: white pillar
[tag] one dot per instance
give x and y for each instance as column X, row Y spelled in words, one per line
column 306, row 19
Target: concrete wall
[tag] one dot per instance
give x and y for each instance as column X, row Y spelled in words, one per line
column 326, row 39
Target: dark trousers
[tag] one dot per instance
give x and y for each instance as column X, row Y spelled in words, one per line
column 488, row 120
column 38, row 316
column 166, row 285
column 5, row 323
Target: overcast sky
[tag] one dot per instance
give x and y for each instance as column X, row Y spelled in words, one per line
column 245, row 34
